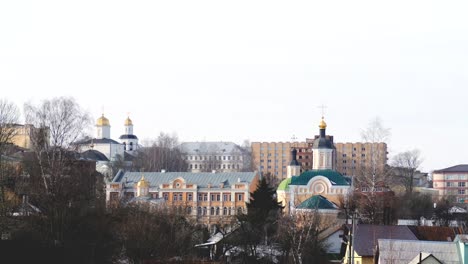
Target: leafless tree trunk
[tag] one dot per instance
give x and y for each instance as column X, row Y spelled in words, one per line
column 299, row 234
column 405, row 165
column 60, row 122
column 9, row 116
column 376, row 172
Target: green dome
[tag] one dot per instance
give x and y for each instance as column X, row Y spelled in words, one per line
column 317, row 202
column 284, row 185
column 335, row 177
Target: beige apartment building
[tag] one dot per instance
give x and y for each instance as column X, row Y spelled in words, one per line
column 350, row 158
column 353, row 158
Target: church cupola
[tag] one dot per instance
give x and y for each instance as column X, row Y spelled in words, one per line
column 294, row 167
column 128, row 126
column 323, row 150
column 142, row 187
column 129, row 140
column 102, row 127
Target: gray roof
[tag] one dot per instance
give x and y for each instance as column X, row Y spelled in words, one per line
column 404, row 251
column 97, row 141
column 201, row 179
column 457, row 168
column 209, row 148
column 366, row 236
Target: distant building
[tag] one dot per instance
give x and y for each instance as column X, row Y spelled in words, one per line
column 105, row 150
column 348, row 158
column 215, row 156
column 208, row 197
column 452, row 181
column 322, row 187
column 22, row 135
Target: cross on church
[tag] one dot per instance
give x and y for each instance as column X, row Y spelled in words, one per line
column 293, row 138
column 323, row 109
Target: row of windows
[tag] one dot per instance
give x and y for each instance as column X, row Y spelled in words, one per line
column 354, row 155
column 214, row 166
column 201, row 197
column 215, row 211
column 454, row 184
column 130, row 146
column 456, row 177
column 214, row 157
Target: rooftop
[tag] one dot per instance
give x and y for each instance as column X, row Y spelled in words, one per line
column 457, row 168
column 335, row 177
column 209, row 147
column 202, row 179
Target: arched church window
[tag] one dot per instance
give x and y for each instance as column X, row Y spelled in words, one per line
column 199, row 211
column 131, row 145
column 225, row 211
column 217, row 210
column 212, row 211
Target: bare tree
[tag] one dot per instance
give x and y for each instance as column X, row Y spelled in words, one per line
column 405, row 165
column 9, row 116
column 163, row 154
column 61, row 121
column 298, row 236
column 375, row 174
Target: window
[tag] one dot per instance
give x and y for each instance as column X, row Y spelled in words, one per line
column 199, row 211
column 196, row 166
column 180, row 196
column 344, row 155
column 189, row 210
column 131, row 145
column 199, row 197
column 449, row 184
column 239, row 197
column 225, row 211
column 204, row 210
column 166, row 196
column 218, row 197
column 217, row 210
column 125, row 146
column 461, row 184
column 226, row 197
column 212, row 197
column 224, row 166
column 191, row 166
column 461, row 191
column 224, row 157
column 205, row 197
column 212, row 211
column 229, row 166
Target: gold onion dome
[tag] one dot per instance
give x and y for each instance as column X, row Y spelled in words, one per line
column 143, row 183
column 128, row 122
column 322, row 125
column 102, row 121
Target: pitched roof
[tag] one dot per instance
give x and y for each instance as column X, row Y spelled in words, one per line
column 317, row 202
column 366, row 236
column 335, row 177
column 97, row 141
column 209, row 147
column 457, row 168
column 201, row 179
column 423, row 257
column 433, row 233
column 404, row 251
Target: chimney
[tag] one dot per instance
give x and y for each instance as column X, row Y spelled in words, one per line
column 163, row 171
column 238, row 179
column 213, row 171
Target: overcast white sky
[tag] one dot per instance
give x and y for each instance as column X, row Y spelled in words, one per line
column 258, row 70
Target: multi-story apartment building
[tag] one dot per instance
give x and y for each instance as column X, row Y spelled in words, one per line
column 452, row 181
column 350, row 158
column 355, row 158
column 218, row 156
column 211, row 198
column 274, row 157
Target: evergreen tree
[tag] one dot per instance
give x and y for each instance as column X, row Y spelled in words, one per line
column 263, row 207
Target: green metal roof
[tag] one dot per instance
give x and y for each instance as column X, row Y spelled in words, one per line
column 284, row 185
column 317, row 202
column 335, row 177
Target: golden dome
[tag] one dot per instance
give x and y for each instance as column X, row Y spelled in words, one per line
column 102, row 121
column 142, row 183
column 128, row 122
column 322, row 125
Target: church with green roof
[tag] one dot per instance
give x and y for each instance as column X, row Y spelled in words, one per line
column 322, row 187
